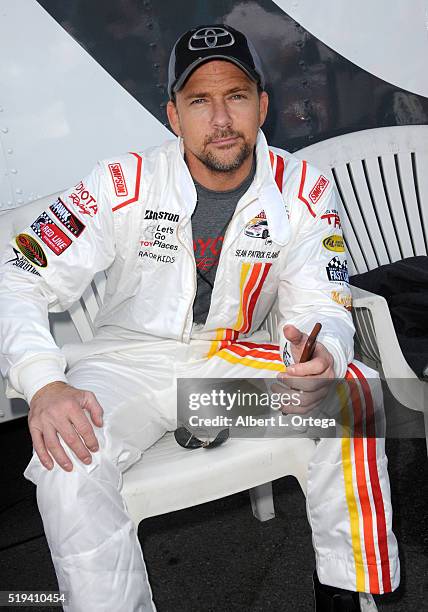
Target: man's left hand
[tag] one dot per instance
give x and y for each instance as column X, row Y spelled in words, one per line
column 312, row 378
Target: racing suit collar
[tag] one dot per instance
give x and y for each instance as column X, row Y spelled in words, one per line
column 263, row 187
column 271, row 199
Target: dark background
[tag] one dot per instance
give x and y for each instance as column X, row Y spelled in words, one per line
column 315, row 93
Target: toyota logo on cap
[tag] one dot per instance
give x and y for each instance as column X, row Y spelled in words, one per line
column 206, row 42
column 211, row 38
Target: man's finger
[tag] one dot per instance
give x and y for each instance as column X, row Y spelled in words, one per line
column 294, row 335
column 54, row 447
column 85, row 430
column 72, row 438
column 95, row 409
column 303, row 383
column 315, row 367
column 40, row 448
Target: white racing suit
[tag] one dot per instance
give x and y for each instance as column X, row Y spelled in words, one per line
column 131, row 217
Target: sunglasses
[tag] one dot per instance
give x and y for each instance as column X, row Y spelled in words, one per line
column 186, row 439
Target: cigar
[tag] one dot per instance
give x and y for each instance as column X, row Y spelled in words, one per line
column 309, row 348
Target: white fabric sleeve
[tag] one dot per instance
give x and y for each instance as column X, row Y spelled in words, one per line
column 314, row 282
column 51, row 262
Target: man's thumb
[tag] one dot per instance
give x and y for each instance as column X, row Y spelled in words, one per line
column 292, row 334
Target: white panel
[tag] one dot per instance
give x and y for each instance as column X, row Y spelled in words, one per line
column 388, row 39
column 6, row 189
column 61, row 109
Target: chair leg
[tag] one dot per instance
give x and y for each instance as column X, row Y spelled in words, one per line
column 262, row 502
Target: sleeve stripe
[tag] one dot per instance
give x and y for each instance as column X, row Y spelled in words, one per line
column 302, row 184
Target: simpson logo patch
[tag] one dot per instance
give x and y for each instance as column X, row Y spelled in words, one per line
column 118, row 179
column 334, row 243
column 337, row 271
column 50, row 233
column 318, row 189
column 67, row 218
column 31, row 249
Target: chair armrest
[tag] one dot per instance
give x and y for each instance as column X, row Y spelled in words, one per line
column 401, row 379
column 393, row 363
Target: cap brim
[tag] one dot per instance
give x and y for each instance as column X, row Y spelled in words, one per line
column 180, row 82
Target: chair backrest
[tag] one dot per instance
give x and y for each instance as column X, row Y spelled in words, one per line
column 382, row 178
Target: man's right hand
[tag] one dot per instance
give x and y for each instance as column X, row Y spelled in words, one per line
column 60, row 408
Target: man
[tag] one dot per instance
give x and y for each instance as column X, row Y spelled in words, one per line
column 198, row 237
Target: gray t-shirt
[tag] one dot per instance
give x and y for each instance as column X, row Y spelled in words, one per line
column 214, row 210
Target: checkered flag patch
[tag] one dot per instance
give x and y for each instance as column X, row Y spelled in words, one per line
column 41, row 219
column 336, row 264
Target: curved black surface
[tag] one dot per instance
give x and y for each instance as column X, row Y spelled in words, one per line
column 315, row 92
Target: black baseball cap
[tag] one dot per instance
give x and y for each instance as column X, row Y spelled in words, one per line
column 207, row 42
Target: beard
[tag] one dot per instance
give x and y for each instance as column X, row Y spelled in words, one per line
column 214, row 163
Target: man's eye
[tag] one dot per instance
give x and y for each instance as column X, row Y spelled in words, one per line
column 238, row 96
column 198, row 100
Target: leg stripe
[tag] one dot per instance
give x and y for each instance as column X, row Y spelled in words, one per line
column 349, row 492
column 362, row 486
column 374, row 479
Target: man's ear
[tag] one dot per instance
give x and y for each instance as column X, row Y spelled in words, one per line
column 174, row 121
column 263, row 107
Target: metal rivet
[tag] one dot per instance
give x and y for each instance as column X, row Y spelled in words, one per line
column 20, row 201
column 19, row 191
column 5, row 130
column 10, row 151
column 14, row 171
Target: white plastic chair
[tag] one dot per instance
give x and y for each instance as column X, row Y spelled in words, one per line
column 382, row 178
column 168, row 477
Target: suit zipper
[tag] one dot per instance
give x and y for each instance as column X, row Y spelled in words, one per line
column 194, row 280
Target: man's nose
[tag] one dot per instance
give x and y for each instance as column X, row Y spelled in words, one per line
column 220, row 114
